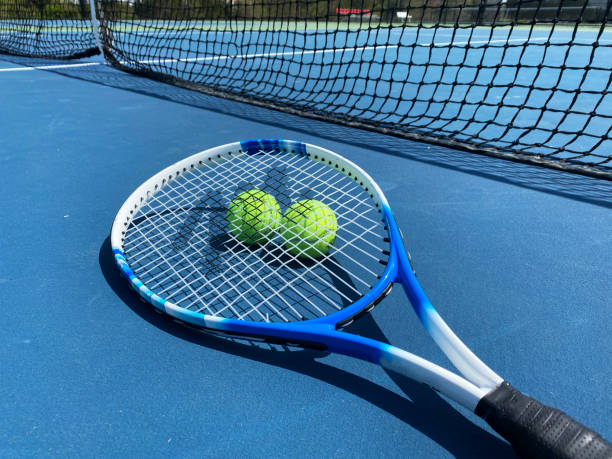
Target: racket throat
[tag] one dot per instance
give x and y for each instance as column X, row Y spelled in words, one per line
column 458, row 353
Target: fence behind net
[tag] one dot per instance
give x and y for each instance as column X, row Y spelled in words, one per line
column 524, row 80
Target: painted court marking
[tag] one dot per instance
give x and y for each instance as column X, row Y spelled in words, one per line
column 266, row 55
column 50, row 67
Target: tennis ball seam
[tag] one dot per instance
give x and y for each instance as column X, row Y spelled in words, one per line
column 309, row 228
column 253, row 216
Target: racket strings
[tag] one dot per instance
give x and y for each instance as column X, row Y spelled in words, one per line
column 313, row 304
column 347, row 206
column 337, row 193
column 187, row 273
column 178, row 243
column 257, row 281
column 362, row 229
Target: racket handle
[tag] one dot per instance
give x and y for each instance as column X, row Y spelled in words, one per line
column 536, row 430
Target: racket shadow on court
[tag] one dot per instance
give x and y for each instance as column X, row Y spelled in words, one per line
column 421, row 407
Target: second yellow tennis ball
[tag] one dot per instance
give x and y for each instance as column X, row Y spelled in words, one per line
column 309, row 228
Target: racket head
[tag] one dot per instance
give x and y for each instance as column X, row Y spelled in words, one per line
column 194, row 255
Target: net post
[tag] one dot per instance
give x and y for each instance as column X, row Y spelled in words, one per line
column 95, row 26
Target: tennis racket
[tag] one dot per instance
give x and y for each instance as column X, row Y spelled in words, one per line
column 171, row 241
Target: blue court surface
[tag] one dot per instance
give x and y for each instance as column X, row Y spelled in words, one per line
column 517, row 259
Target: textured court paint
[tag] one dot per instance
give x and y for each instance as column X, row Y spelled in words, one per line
column 520, row 273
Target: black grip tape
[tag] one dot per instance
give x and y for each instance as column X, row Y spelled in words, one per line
column 539, row 431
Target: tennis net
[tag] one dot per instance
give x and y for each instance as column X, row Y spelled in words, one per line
column 524, row 80
column 47, row 28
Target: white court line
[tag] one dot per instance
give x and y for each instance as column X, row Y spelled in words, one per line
column 286, row 53
column 50, row 67
column 483, row 42
column 251, row 56
column 325, row 51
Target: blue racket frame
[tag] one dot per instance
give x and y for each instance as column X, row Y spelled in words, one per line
column 324, row 332
column 534, row 429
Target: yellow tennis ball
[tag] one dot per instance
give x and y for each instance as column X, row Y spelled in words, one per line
column 309, row 228
column 253, row 216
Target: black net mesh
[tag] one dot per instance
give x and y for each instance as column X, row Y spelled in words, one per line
column 523, row 80
column 46, row 28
